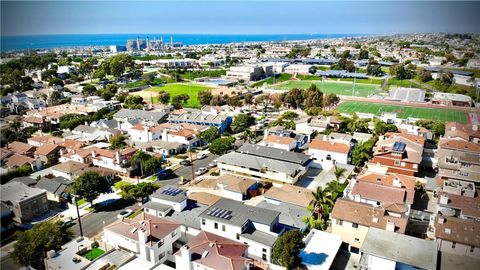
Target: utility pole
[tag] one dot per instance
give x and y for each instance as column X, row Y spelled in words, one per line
column 354, row 81
column 78, row 215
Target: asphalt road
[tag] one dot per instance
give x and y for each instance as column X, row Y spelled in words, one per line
column 186, row 171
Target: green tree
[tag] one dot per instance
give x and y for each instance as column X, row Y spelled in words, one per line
column 163, row 97
column 248, row 99
column 374, row 70
column 241, row 122
column 149, row 77
column 294, row 98
column 117, row 142
column 381, row 127
column 249, row 136
column 89, row 90
column 221, row 146
column 313, row 97
column 363, row 151
column 363, row 54
column 140, row 191
column 133, row 102
column 424, row 75
column 233, row 101
column 210, row 134
column 32, row 245
column 330, row 99
column 90, row 185
column 286, row 250
column 55, row 81
column 205, row 97
column 321, row 201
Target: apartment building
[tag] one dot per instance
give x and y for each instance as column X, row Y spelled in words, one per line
column 458, row 160
column 25, row 202
column 149, row 237
column 457, row 236
column 265, row 163
column 199, row 118
column 459, row 131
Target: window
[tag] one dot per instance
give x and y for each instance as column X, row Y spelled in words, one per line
column 215, row 225
column 160, row 243
column 454, row 244
column 174, row 233
column 264, row 250
column 397, row 163
column 147, row 210
column 264, row 256
column 415, row 166
column 403, row 164
column 339, row 222
column 238, row 236
column 355, row 225
column 463, row 173
column 472, row 248
column 161, row 255
column 203, row 221
column 223, row 227
column 186, row 228
column 329, row 157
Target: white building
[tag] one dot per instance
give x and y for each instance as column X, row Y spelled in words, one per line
column 326, row 154
column 299, row 69
column 165, row 199
column 149, row 237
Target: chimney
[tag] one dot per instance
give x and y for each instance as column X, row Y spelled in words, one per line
column 117, row 156
column 185, row 262
column 390, row 226
column 94, row 154
column 396, row 183
column 443, row 199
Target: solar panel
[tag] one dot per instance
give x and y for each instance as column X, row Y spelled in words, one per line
column 221, row 213
column 399, row 146
column 170, row 191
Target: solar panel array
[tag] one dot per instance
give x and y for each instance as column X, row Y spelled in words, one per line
column 171, row 191
column 220, row 213
column 399, row 147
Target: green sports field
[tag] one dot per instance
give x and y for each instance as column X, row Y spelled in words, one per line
column 178, row 88
column 404, row 112
column 338, row 88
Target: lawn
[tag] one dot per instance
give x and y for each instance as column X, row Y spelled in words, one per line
column 404, row 112
column 93, row 254
column 175, row 89
column 345, row 88
column 81, row 202
column 118, row 185
column 278, row 78
column 136, row 213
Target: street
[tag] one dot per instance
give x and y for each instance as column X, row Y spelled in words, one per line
column 186, row 171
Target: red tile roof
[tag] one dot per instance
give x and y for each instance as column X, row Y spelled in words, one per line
column 330, row 146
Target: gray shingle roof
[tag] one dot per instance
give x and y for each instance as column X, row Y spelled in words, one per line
column 51, row 186
column 189, row 215
column 25, row 180
column 291, row 215
column 170, row 193
column 241, row 213
column 259, row 236
column 273, row 153
column 156, row 206
column 144, row 115
column 16, row 192
column 198, row 117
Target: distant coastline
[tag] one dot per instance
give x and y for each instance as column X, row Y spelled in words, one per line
column 11, row 43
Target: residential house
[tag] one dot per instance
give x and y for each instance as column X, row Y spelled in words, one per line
column 57, row 189
column 48, row 153
column 69, row 169
column 211, row 251
column 14, row 161
column 279, row 142
column 125, row 115
column 235, row 187
column 93, row 134
column 459, row 131
column 254, row 226
column 165, row 199
column 21, row 148
column 38, row 141
column 116, row 160
column 457, row 236
column 25, row 202
column 149, row 237
column 385, row 250
column 458, row 160
column 265, row 163
column 326, row 154
column 399, row 153
column 279, row 137
column 351, row 220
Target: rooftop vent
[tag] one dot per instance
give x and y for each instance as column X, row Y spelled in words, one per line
column 204, row 254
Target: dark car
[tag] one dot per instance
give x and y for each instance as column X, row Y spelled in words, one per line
column 163, row 174
column 185, row 162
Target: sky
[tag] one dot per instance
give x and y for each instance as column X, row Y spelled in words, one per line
column 232, row 17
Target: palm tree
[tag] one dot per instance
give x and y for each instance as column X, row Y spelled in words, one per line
column 339, row 172
column 249, row 135
column 139, row 158
column 335, row 189
column 321, row 197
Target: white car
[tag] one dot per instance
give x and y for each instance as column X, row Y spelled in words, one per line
column 124, row 213
column 212, row 164
column 201, row 171
column 201, row 156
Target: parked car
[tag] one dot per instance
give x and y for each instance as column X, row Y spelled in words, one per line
column 67, row 223
column 124, row 213
column 201, row 156
column 212, row 164
column 185, row 162
column 163, row 174
column 201, row 171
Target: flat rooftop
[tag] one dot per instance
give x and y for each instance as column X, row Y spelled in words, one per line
column 320, row 250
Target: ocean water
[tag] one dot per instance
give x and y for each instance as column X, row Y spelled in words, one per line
column 9, row 43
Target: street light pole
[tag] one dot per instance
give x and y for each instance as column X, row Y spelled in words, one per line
column 78, row 216
column 191, row 160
